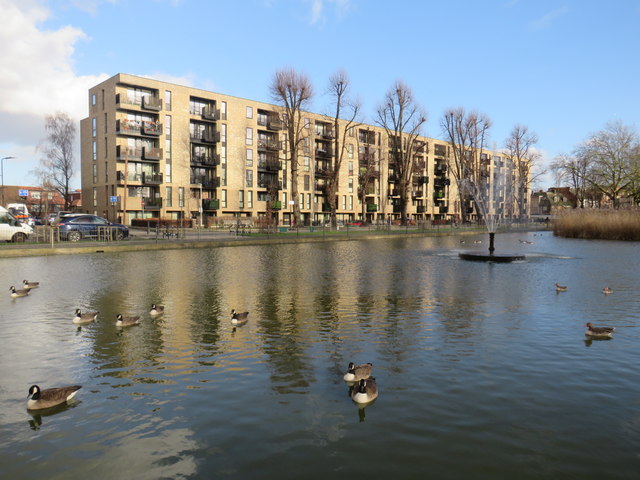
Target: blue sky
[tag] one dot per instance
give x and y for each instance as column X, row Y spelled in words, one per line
column 562, row 68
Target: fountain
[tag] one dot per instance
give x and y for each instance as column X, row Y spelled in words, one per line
column 484, row 201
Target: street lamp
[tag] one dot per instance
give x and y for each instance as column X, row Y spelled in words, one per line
column 2, row 174
column 200, row 204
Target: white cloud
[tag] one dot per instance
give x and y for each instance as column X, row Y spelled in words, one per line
column 546, row 20
column 318, row 16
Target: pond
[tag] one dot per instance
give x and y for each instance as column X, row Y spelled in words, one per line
column 483, row 370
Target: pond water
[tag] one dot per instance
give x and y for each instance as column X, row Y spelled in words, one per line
column 484, row 370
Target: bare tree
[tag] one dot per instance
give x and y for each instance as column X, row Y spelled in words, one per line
column 467, row 133
column 293, row 92
column 57, row 166
column 611, row 153
column 573, row 171
column 348, row 109
column 520, row 149
column 402, row 118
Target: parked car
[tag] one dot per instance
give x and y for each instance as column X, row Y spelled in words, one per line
column 12, row 230
column 78, row 226
column 54, row 218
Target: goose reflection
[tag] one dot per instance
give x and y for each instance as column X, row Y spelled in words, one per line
column 35, row 423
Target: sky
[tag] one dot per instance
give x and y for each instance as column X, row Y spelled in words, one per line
column 562, row 68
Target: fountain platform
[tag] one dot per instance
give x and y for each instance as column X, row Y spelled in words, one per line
column 491, row 256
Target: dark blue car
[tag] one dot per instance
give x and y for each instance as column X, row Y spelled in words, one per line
column 76, row 227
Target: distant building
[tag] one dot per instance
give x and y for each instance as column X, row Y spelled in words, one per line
column 38, row 200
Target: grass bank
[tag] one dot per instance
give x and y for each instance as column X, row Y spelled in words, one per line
column 599, row 224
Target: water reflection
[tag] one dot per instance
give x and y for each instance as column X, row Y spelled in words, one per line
column 491, row 355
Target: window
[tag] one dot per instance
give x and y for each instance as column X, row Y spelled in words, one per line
column 167, row 173
column 35, row 195
column 95, row 173
column 167, row 125
column 223, row 134
column 167, row 99
column 95, row 197
column 344, row 202
column 241, row 198
column 306, row 166
column 351, row 185
column 350, row 202
column 307, row 183
column 307, row 123
column 249, row 112
column 105, row 123
column 249, row 162
column 249, row 199
column 93, row 127
column 351, row 169
column 223, row 110
column 106, row 172
column 167, row 149
column 223, row 200
column 284, row 199
column 249, row 136
column 350, row 132
column 168, row 197
column 94, row 150
column 308, row 201
column 350, row 150
column 181, row 197
column 93, row 99
column 249, row 176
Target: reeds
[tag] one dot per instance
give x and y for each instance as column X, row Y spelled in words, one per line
column 599, row 224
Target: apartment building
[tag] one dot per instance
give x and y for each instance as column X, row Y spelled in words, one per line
column 151, row 149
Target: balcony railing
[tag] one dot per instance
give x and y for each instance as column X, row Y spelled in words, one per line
column 152, row 203
column 206, row 182
column 124, row 152
column 372, row 207
column 274, row 124
column 152, row 103
column 151, row 178
column 128, row 127
column 131, row 178
column 152, row 128
column 272, row 145
column 210, row 113
column 152, row 153
column 269, row 184
column 270, row 165
column 210, row 204
column 206, row 160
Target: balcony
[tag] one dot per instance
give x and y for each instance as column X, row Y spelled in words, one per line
column 270, row 165
column 151, row 178
column 151, row 203
column 210, row 113
column 209, row 204
column 128, row 153
column 127, row 127
column 372, row 207
column 206, row 160
column 152, row 153
column 152, row 128
column 151, row 103
column 274, row 124
column 269, row 184
column 440, row 150
column 326, row 208
column 268, row 144
column 421, row 209
column 206, row 182
column 276, row 205
column 128, row 179
column 321, row 153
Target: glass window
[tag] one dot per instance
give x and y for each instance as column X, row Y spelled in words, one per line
column 351, row 168
column 93, row 99
column 167, row 124
column 95, row 173
column 223, row 110
column 181, row 197
column 94, row 150
column 241, row 198
column 167, row 99
column 249, row 137
column 95, row 197
column 249, row 199
column 249, row 112
column 93, row 127
column 344, row 202
column 223, row 200
column 249, row 157
column 307, row 164
column 350, row 150
column 351, row 185
column 308, row 201
column 167, row 173
column 307, row 182
column 169, row 197
column 249, row 176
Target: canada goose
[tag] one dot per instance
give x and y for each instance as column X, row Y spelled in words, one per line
column 355, row 373
column 239, row 318
column 607, row 291
column 29, row 285
column 82, row 318
column 39, row 399
column 366, row 391
column 18, row 293
column 126, row 321
column 156, row 309
column 599, row 332
column 561, row 288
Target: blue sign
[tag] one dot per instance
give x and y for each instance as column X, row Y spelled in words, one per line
column 114, row 199
column 23, row 193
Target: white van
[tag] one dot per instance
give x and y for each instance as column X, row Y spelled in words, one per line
column 11, row 230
